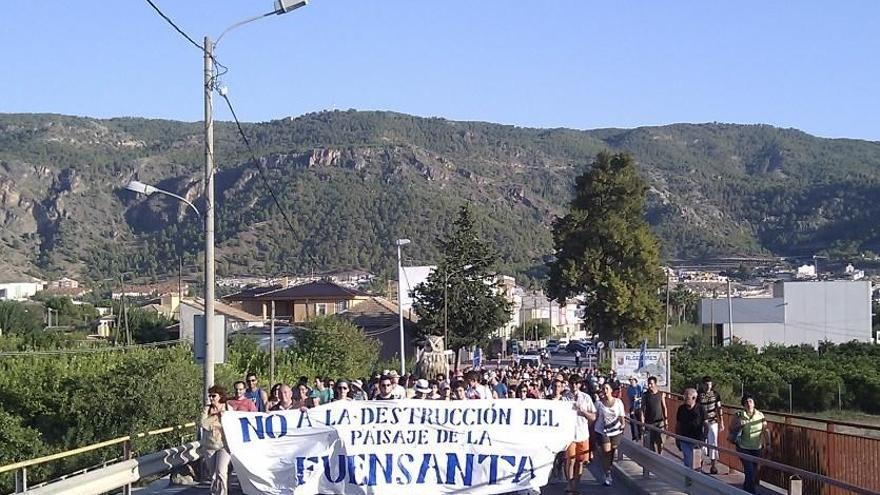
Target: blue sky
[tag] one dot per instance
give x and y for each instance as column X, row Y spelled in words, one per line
column 558, row 63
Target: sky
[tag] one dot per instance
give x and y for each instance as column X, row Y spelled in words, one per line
column 811, row 65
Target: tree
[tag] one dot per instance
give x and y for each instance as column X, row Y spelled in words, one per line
column 605, row 251
column 534, row 329
column 16, row 317
column 466, row 281
column 337, row 347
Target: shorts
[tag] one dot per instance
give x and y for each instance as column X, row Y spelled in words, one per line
column 579, row 451
column 614, row 441
column 653, row 438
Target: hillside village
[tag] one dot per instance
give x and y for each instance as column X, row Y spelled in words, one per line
column 698, row 296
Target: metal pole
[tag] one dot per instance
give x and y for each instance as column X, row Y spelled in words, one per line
column 790, row 404
column 666, row 332
column 446, row 308
column 839, row 397
column 400, row 309
column 712, row 313
column 272, row 345
column 209, row 218
column 730, row 309
column 126, row 455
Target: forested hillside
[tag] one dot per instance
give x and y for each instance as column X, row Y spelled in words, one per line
column 352, row 182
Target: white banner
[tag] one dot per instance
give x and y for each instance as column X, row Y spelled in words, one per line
column 400, row 447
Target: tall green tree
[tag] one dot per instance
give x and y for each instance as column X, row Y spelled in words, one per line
column 476, row 307
column 605, row 251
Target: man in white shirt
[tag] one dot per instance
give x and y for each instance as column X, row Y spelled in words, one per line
column 578, row 451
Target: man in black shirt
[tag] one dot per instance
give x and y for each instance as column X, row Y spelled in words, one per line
column 653, row 413
column 690, row 422
column 710, row 400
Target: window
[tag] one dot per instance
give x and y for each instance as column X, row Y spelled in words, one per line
column 341, row 306
column 320, row 309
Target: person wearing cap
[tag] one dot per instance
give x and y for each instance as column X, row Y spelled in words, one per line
column 397, row 389
column 578, row 451
column 423, row 389
column 443, row 391
column 357, row 390
column 634, row 393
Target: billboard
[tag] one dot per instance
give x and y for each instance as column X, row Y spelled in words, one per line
column 643, row 363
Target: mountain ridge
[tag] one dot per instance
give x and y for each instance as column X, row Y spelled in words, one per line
column 354, row 181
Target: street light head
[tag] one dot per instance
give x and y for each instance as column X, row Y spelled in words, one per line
column 140, row 188
column 403, row 242
column 285, row 6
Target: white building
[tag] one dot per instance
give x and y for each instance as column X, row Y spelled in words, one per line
column 413, row 276
column 20, row 289
column 798, row 313
column 806, row 271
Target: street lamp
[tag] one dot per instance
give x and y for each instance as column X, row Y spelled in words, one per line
column 400, row 243
column 147, row 190
column 281, row 7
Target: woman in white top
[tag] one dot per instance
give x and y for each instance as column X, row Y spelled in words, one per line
column 609, row 426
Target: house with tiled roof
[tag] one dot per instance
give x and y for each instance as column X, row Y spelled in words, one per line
column 298, row 303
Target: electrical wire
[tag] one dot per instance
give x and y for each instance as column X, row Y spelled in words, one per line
column 168, row 19
column 261, row 170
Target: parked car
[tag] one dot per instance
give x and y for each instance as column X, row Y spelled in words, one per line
column 576, row 345
column 553, row 346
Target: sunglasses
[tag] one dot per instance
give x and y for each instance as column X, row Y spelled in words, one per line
column 213, row 395
column 341, row 388
column 386, row 384
column 252, row 380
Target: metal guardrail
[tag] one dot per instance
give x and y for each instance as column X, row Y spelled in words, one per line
column 675, row 474
column 21, row 476
column 797, row 473
column 122, row 474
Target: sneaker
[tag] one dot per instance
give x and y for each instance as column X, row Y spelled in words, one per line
column 714, row 470
column 607, row 481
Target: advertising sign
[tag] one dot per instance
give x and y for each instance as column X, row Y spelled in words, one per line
column 655, row 362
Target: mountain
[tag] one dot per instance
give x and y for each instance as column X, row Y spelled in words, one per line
column 352, row 182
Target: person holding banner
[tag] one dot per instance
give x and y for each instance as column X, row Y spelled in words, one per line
column 609, row 426
column 213, row 443
column 578, row 451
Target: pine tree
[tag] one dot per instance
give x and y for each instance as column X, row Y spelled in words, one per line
column 606, row 252
column 476, row 307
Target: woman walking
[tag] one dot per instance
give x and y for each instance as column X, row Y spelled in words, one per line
column 749, row 431
column 213, row 442
column 609, row 427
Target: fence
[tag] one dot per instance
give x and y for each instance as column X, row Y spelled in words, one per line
column 848, row 452
column 21, row 468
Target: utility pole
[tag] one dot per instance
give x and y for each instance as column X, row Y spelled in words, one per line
column 208, row 372
column 272, row 345
column 730, row 308
column 712, row 316
column 666, row 335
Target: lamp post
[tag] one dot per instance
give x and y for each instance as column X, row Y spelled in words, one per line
column 400, row 243
column 281, row 7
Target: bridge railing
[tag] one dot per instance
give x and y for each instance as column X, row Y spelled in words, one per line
column 20, row 469
column 838, row 450
column 797, row 480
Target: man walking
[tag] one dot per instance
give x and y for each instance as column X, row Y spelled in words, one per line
column 653, row 413
column 255, row 393
column 577, row 358
column 690, row 421
column 634, row 393
column 710, row 400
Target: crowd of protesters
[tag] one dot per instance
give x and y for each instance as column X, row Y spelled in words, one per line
column 596, row 397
